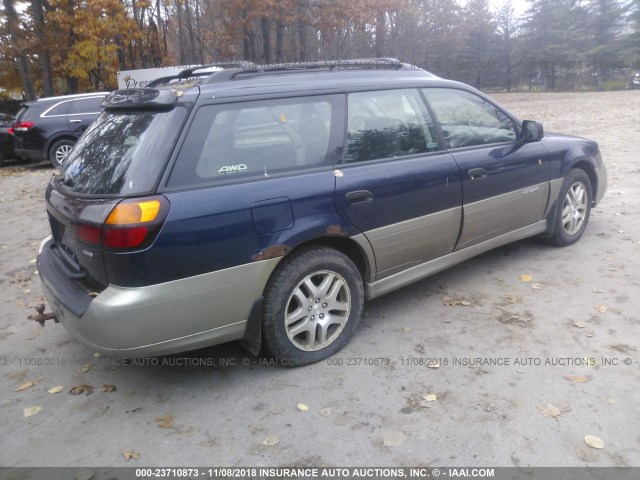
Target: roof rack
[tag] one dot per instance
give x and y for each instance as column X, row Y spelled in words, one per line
column 299, row 67
column 243, row 69
column 193, row 72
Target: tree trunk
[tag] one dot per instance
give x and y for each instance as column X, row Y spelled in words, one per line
column 380, row 33
column 280, row 41
column 181, row 59
column 191, row 55
column 43, row 50
column 266, row 38
column 22, row 61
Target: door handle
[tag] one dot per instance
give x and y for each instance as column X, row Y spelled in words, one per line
column 75, row 121
column 359, row 196
column 477, row 173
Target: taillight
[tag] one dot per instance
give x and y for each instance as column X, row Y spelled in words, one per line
column 10, row 130
column 131, row 224
column 134, row 223
column 23, row 126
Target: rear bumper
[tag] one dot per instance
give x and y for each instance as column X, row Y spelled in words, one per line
column 159, row 319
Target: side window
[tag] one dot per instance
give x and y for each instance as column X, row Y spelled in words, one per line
column 87, row 106
column 60, row 109
column 256, row 139
column 388, row 124
column 467, row 119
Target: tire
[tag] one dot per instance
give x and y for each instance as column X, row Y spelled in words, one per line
column 572, row 209
column 320, row 290
column 59, row 152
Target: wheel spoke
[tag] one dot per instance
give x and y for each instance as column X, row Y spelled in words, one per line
column 298, row 329
column 296, row 315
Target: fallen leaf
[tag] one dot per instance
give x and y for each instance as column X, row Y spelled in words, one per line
column 393, row 439
column 97, row 354
column 537, row 286
column 586, row 454
column 454, row 302
column 28, row 384
column 85, row 368
column 510, row 298
column 30, row 411
column 303, row 407
column 433, row 365
column 594, row 441
column 579, row 324
column 82, row 388
column 609, row 401
column 325, row 412
column 600, row 308
column 549, row 410
column 108, row 388
column 276, row 409
column 271, row 440
column 598, row 290
column 526, row 278
column 431, row 397
column 577, row 378
column 165, row 421
column 93, row 294
column 57, row 389
column 84, row 475
column 589, row 334
column 128, row 454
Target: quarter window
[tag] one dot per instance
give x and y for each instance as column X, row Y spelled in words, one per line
column 388, row 124
column 87, row 106
column 467, row 119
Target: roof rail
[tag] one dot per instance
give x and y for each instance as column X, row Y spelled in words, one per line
column 247, row 69
column 193, row 72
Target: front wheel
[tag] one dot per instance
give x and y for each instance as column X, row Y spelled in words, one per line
column 573, row 208
column 312, row 305
column 59, row 152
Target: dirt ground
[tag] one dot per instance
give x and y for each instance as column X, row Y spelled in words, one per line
column 558, row 324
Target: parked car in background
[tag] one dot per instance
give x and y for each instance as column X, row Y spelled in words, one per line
column 266, row 203
column 48, row 128
column 6, row 138
column 635, row 81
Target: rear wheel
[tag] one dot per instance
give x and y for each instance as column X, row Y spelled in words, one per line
column 312, row 305
column 572, row 208
column 59, row 152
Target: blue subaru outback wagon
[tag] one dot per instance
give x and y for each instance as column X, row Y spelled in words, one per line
column 266, row 203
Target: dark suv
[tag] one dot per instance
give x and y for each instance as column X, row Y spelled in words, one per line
column 6, row 138
column 48, row 128
column 265, row 204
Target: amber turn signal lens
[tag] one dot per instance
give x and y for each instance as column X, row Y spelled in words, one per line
column 127, row 213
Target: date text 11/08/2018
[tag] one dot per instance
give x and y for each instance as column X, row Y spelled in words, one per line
column 313, row 472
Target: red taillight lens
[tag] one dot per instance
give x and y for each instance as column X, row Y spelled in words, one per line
column 89, row 233
column 23, row 126
column 124, row 238
column 10, row 130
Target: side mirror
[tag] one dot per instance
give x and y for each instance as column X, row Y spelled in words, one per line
column 531, row 131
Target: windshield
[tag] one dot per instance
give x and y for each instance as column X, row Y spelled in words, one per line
column 122, row 153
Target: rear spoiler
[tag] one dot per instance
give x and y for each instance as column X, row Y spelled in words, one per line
column 133, row 98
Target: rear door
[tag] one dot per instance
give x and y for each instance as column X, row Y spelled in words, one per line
column 396, row 185
column 82, row 113
column 505, row 183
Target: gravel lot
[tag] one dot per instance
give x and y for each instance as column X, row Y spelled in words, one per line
column 377, row 403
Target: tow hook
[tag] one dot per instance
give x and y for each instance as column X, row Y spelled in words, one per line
column 41, row 317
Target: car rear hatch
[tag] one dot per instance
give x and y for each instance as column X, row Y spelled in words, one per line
column 105, row 200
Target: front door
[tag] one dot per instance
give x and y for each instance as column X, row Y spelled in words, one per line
column 505, row 183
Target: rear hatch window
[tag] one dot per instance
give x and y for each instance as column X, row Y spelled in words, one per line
column 123, row 153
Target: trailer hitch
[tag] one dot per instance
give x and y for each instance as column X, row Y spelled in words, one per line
column 41, row 317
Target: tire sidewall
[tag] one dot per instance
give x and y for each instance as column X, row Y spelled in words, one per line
column 275, row 335
column 561, row 237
